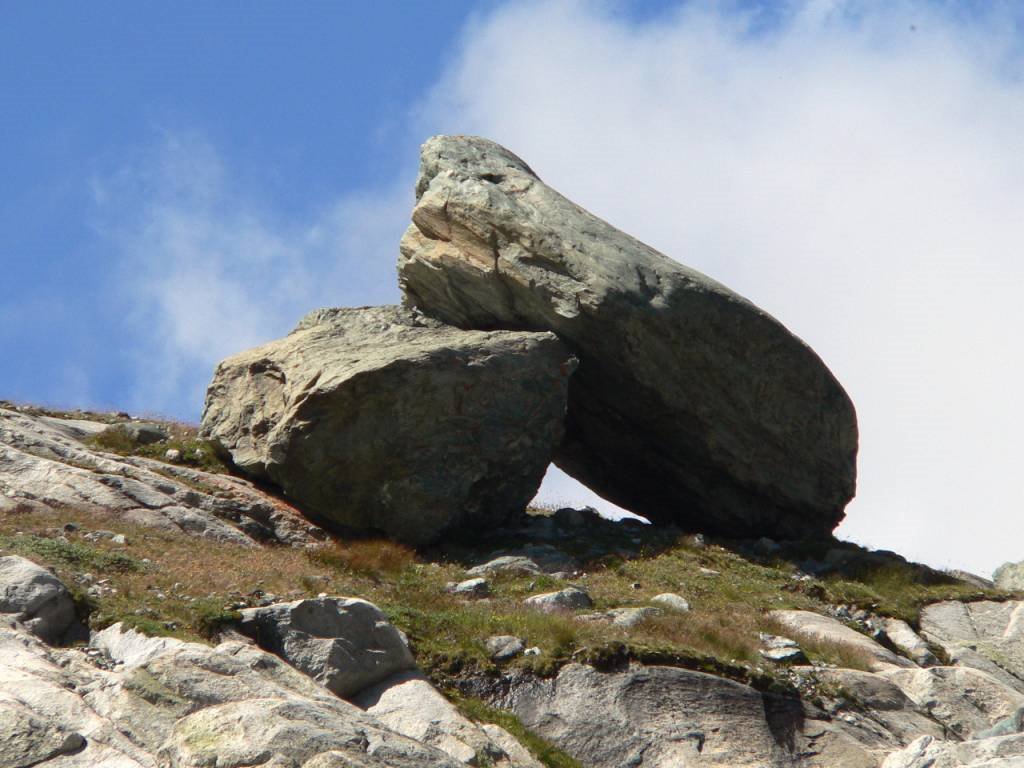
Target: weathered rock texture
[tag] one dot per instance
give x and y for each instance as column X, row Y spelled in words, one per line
column 345, row 644
column 35, row 597
column 46, row 465
column 663, row 717
column 986, row 635
column 181, row 705
column 690, row 404
column 379, row 418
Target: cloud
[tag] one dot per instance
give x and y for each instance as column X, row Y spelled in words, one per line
column 207, row 269
column 855, row 168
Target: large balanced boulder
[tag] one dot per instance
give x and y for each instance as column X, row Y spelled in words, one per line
column 379, row 418
column 690, row 404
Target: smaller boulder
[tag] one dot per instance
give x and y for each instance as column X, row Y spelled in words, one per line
column 903, row 637
column 1010, row 576
column 781, row 650
column 38, row 599
column 346, row 644
column 568, row 599
column 513, row 565
column 630, row 617
column 672, row 601
column 504, row 647
column 478, row 587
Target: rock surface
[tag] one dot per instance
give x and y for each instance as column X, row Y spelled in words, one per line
column 36, row 598
column 903, row 636
column 1009, row 576
column 46, row 465
column 986, row 635
column 408, row 704
column 663, row 717
column 690, row 404
column 568, row 599
column 815, row 627
column 183, row 705
column 378, row 418
column 345, row 644
column 929, row 752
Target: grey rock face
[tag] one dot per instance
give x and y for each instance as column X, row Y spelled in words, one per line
column 182, row 704
column 903, row 636
column 930, row 752
column 36, row 597
column 477, row 587
column 408, row 704
column 986, row 635
column 1009, row 576
column 45, row 465
column 346, row 644
column 690, row 404
column 662, row 717
column 379, row 418
column 781, row 650
column 568, row 599
column 966, row 701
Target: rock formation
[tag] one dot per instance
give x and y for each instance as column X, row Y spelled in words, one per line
column 690, row 404
column 47, row 464
column 379, row 418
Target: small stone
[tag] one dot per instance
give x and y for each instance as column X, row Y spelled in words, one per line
column 477, row 587
column 515, row 565
column 635, row 585
column 504, row 647
column 630, row 617
column 172, row 454
column 118, row 539
column 672, row 601
column 710, row 571
column 567, row 599
column 70, row 527
column 534, row 651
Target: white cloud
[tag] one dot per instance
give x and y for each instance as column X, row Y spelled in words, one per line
column 857, row 169
column 208, row 270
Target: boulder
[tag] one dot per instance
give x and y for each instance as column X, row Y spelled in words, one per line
column 478, row 587
column 381, row 419
column 1009, row 576
column 346, row 644
column 690, row 404
column 36, row 597
column 672, row 601
column 568, row 599
column 513, row 565
column 504, row 647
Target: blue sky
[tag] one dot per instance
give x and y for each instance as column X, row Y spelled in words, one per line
column 180, row 182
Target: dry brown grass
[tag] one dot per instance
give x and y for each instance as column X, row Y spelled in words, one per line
column 365, row 557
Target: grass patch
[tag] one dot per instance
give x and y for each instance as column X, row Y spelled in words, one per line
column 78, row 555
column 194, row 452
column 365, row 557
column 550, row 756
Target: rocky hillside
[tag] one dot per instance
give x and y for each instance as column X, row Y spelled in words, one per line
column 338, row 566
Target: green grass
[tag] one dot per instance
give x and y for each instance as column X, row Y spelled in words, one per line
column 194, row 452
column 78, row 555
column 548, row 755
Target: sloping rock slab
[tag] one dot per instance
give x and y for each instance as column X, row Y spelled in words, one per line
column 814, row 627
column 664, row 717
column 379, row 418
column 181, row 704
column 987, row 635
column 44, row 464
column 929, row 752
column 690, row 404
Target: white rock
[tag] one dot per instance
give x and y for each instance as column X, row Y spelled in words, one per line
column 36, row 597
column 672, row 601
column 567, row 599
